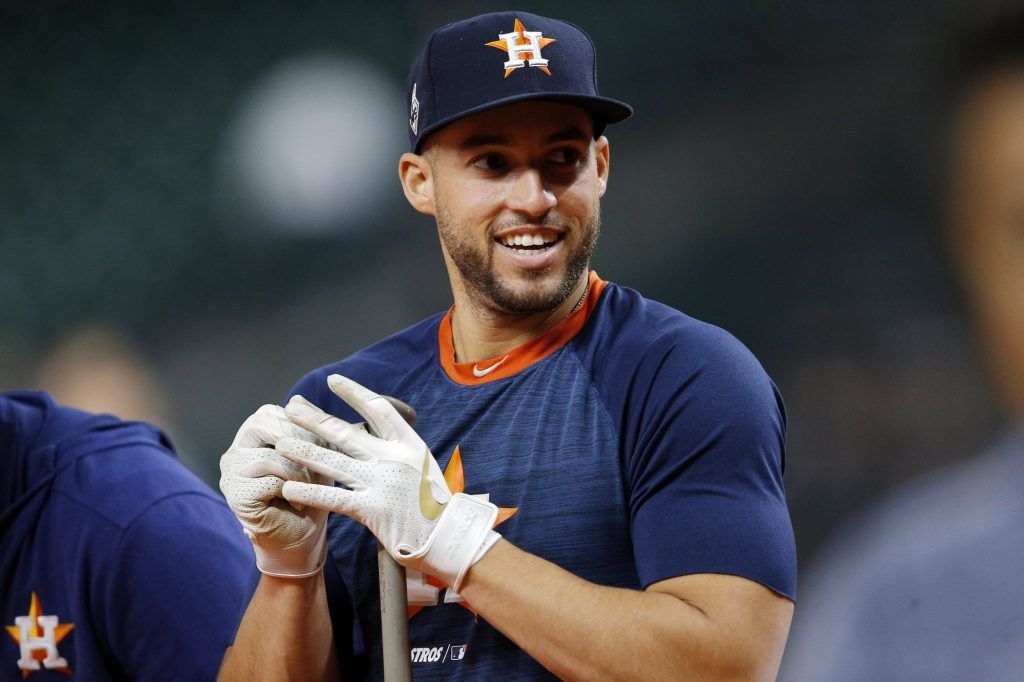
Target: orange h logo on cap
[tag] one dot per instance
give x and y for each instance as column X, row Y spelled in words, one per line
column 522, row 47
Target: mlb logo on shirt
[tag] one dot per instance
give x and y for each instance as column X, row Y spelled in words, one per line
column 458, row 652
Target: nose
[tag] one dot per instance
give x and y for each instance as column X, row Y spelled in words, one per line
column 529, row 196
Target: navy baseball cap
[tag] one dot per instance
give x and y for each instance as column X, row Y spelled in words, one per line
column 501, row 58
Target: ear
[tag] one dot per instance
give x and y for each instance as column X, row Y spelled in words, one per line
column 417, row 182
column 603, row 159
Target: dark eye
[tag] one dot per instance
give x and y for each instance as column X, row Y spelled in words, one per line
column 491, row 163
column 566, row 156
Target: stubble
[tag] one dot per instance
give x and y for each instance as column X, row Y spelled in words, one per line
column 488, row 289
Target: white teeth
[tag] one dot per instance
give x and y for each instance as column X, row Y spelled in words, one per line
column 529, row 239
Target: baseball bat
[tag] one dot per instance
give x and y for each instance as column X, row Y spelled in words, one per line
column 394, row 601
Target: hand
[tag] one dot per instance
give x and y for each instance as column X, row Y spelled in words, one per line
column 289, row 541
column 394, row 485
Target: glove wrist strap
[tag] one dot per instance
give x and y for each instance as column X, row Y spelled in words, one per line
column 462, row 535
column 297, row 562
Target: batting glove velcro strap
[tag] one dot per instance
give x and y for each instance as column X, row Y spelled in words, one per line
column 461, row 537
column 297, row 562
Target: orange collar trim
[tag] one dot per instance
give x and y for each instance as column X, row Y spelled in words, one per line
column 518, row 359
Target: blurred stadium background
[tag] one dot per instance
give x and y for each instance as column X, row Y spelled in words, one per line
column 198, row 205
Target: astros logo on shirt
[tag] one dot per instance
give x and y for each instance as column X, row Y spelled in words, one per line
column 423, row 590
column 37, row 636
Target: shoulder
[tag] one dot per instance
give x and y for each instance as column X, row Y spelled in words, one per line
column 941, row 514
column 935, row 556
column 392, row 365
column 630, row 329
column 143, row 471
column 99, row 471
column 30, row 419
column 118, row 469
column 84, row 457
column 634, row 346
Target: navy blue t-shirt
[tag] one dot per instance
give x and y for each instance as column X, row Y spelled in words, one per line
column 111, row 550
column 628, row 444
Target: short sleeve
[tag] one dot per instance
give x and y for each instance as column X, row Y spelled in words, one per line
column 704, row 439
column 182, row 579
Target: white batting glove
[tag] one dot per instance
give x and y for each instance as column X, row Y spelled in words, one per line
column 394, row 485
column 289, row 540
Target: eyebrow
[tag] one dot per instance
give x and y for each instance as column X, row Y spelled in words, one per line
column 474, row 141
column 566, row 134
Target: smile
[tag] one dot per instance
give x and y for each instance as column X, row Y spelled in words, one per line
column 530, row 242
column 531, row 248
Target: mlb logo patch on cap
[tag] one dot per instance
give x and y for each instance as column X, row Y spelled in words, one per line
column 501, row 58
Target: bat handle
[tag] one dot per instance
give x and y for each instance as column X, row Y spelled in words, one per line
column 394, row 599
column 394, row 618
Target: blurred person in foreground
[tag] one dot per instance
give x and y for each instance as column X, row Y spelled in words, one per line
column 116, row 562
column 928, row 585
column 636, row 453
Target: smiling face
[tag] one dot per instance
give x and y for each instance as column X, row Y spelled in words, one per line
column 515, row 191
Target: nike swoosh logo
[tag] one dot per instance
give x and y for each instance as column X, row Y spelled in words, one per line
column 484, row 372
column 429, row 507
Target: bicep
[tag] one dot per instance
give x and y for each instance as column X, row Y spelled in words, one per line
column 704, row 462
column 747, row 618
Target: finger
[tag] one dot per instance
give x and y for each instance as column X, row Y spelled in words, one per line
column 249, row 434
column 250, row 495
column 335, row 465
column 381, row 415
column 322, row 497
column 265, row 426
column 349, row 438
column 270, row 463
column 404, row 409
column 247, row 463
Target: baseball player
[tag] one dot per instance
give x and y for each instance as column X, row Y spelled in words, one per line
column 594, row 486
column 116, row 562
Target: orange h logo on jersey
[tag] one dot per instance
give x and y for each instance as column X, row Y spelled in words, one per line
column 37, row 636
column 522, row 47
column 423, row 590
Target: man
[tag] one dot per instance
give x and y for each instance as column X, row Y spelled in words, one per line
column 628, row 458
column 116, row 562
column 927, row 585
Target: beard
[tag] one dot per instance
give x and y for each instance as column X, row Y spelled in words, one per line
column 487, row 288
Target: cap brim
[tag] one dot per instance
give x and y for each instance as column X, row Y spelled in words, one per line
column 605, row 109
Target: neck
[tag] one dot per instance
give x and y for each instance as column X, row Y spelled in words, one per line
column 480, row 332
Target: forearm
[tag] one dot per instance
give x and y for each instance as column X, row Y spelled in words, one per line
column 580, row 630
column 285, row 634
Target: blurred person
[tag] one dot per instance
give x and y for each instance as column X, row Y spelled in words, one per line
column 927, row 585
column 116, row 562
column 636, row 452
column 98, row 369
